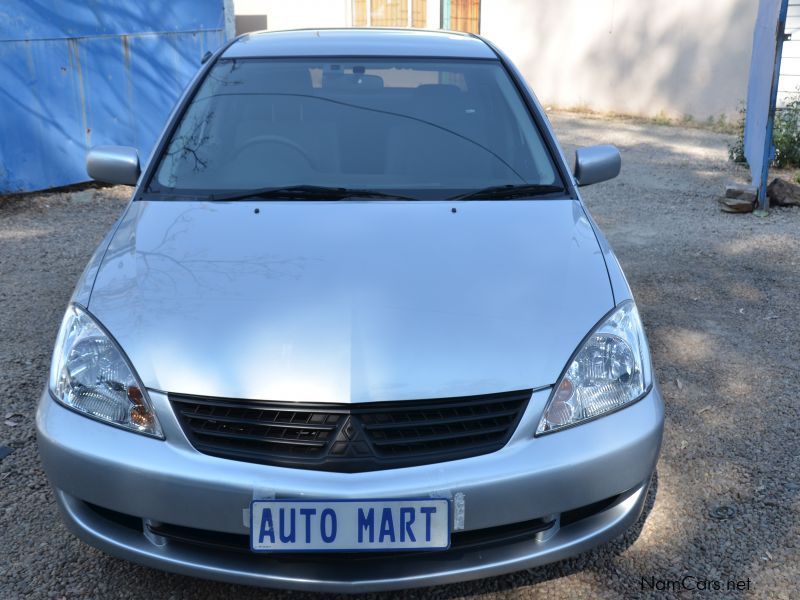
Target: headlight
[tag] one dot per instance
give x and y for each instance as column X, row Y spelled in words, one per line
column 608, row 371
column 91, row 375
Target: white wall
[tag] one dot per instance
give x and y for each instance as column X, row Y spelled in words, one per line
column 434, row 16
column 679, row 57
column 297, row 14
column 645, row 57
column 789, row 84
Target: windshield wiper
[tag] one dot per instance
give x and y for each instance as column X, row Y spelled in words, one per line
column 502, row 192
column 308, row 192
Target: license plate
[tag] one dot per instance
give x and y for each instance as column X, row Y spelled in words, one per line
column 349, row 525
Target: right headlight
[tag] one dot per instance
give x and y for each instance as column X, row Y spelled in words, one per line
column 611, row 369
column 91, row 375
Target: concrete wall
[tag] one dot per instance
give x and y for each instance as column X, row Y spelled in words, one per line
column 789, row 84
column 297, row 14
column 677, row 57
column 645, row 57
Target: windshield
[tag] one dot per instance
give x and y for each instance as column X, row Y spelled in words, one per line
column 420, row 128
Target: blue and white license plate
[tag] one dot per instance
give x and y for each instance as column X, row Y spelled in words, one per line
column 349, row 525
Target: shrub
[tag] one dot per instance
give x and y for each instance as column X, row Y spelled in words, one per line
column 785, row 136
column 736, row 148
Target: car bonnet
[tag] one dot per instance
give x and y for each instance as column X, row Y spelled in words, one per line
column 351, row 301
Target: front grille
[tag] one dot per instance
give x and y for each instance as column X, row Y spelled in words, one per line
column 350, row 438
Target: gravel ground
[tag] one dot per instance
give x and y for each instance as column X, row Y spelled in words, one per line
column 717, row 292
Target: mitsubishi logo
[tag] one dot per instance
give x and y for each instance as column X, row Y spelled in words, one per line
column 350, row 440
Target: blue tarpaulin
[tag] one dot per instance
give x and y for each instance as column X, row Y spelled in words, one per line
column 80, row 73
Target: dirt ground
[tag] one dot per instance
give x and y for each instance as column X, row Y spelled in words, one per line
column 719, row 297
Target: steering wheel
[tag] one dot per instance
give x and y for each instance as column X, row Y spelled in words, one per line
column 270, row 138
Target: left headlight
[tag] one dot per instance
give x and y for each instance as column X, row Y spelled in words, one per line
column 611, row 369
column 91, row 375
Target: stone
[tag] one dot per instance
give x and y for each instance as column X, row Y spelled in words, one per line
column 736, row 205
column 741, row 191
column 783, row 193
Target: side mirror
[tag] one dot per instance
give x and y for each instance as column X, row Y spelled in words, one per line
column 113, row 164
column 594, row 164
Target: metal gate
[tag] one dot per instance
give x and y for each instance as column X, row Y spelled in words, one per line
column 77, row 73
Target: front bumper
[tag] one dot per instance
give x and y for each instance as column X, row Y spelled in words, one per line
column 89, row 463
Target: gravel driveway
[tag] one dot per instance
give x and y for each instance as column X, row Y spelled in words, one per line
column 717, row 292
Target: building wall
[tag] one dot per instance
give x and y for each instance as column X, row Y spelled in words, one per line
column 673, row 57
column 677, row 57
column 297, row 14
column 789, row 84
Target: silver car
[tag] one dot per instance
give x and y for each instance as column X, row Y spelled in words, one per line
column 355, row 330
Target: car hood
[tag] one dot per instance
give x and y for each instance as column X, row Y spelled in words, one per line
column 351, row 301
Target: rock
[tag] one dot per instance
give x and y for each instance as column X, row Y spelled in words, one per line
column 13, row 419
column 783, row 193
column 736, row 205
column 741, row 191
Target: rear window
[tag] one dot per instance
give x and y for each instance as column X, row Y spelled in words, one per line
column 418, row 127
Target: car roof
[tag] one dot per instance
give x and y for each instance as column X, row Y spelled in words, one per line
column 359, row 42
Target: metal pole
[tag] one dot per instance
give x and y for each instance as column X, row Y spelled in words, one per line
column 769, row 149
